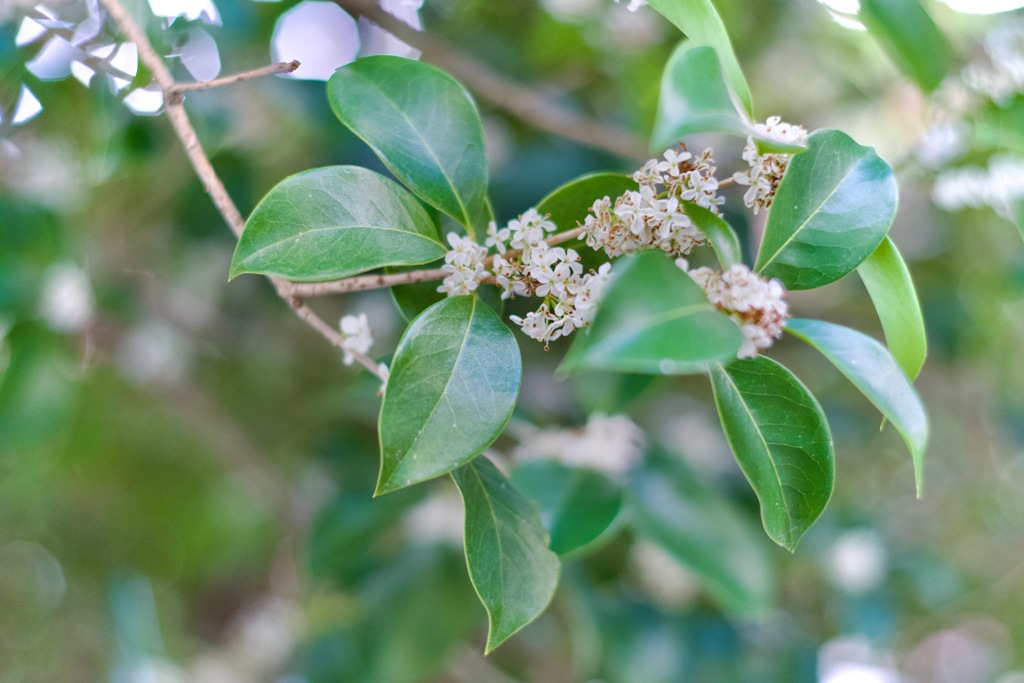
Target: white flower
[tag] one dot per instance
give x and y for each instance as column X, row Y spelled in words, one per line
column 756, row 304
column 497, row 238
column 357, row 337
column 777, row 130
column 464, row 265
column 765, row 170
column 534, row 325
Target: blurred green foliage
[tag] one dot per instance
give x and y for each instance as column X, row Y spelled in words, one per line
column 186, row 480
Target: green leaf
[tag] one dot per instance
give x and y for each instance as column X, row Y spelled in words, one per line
column 695, row 98
column 611, row 392
column 422, row 124
column 567, row 205
column 833, row 207
column 720, row 234
column 910, row 37
column 888, row 282
column 654, row 319
column 1019, row 217
column 577, row 505
column 454, row 382
column 512, row 569
column 781, row 440
column 699, row 20
column 869, row 366
column 335, row 222
column 705, row 532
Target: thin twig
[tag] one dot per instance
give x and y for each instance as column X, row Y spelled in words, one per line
column 521, row 101
column 183, row 128
column 280, row 68
column 360, row 283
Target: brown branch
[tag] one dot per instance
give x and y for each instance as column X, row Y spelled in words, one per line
column 520, row 101
column 363, row 282
column 175, row 110
column 280, row 68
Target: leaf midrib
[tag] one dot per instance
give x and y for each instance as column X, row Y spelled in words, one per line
column 501, row 550
column 444, row 391
column 338, row 228
column 817, row 210
column 423, row 140
column 764, row 443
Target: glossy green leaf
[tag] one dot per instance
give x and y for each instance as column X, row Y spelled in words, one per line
column 888, row 282
column 577, row 505
column 335, row 222
column 422, row 124
column 700, row 21
column 512, row 569
column 654, row 319
column 910, row 37
column 454, row 382
column 781, row 441
column 873, row 370
column 720, row 234
column 705, row 532
column 568, row 205
column 833, row 207
column 695, row 98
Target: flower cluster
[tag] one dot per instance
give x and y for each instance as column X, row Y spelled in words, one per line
column 464, row 265
column 568, row 308
column 766, row 170
column 756, row 304
column 356, row 335
column 526, row 265
column 653, row 217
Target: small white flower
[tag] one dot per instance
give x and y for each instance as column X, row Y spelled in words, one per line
column 765, row 170
column 777, row 130
column 357, row 337
column 464, row 265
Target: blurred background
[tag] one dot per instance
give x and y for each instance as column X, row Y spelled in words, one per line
column 186, row 470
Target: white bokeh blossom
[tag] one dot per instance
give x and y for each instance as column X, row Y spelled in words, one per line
column 1000, row 186
column 357, row 337
column 608, row 444
column 66, row 303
